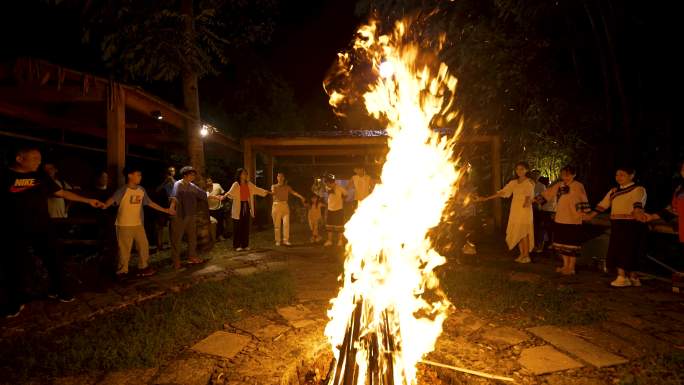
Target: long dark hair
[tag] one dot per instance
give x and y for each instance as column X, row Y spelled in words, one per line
column 238, row 173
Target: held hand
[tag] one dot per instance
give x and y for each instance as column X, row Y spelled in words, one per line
column 171, row 211
column 588, row 216
column 96, row 204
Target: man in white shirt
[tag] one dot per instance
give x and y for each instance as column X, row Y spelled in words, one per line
column 214, row 193
column 363, row 185
column 129, row 222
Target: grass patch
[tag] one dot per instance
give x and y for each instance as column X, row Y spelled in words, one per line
column 493, row 294
column 665, row 369
column 144, row 335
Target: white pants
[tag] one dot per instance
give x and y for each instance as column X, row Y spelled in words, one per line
column 281, row 213
column 126, row 236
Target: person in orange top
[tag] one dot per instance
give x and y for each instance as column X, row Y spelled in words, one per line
column 242, row 193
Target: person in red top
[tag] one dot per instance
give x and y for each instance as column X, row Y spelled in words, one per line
column 676, row 208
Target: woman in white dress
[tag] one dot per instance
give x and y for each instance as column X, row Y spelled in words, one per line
column 520, row 230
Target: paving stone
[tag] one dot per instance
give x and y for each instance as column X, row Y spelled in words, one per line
column 299, row 324
column 208, row 269
column 559, row 379
column 506, row 335
column 608, row 341
column 294, row 313
column 546, row 359
column 271, row 331
column 222, row 344
column 193, row 371
column 250, row 270
column 465, row 323
column 252, row 257
column 580, row 348
column 129, row 377
column 640, row 340
column 315, row 295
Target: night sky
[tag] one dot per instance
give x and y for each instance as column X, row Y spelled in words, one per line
column 307, row 36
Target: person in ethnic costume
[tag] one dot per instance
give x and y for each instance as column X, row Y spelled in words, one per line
column 571, row 203
column 627, row 235
column 520, row 229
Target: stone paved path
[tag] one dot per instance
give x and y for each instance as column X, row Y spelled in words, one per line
column 278, row 347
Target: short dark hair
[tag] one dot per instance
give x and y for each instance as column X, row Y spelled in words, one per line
column 523, row 164
column 187, row 170
column 128, row 170
column 628, row 169
column 239, row 172
column 330, row 178
column 569, row 169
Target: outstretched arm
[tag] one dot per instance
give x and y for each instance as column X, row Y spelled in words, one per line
column 68, row 195
column 155, row 206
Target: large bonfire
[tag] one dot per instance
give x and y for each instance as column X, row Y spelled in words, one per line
column 390, row 310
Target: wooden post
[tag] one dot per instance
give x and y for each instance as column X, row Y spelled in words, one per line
column 496, row 178
column 249, row 159
column 116, row 134
column 268, row 172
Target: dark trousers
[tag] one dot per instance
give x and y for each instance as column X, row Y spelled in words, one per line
column 220, row 217
column 19, row 267
column 241, row 227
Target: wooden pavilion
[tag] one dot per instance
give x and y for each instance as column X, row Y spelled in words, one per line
column 45, row 102
column 363, row 144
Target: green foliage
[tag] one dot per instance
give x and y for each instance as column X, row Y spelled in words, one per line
column 510, row 79
column 148, row 40
column 144, row 335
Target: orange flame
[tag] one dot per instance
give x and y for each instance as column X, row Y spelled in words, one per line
column 390, row 261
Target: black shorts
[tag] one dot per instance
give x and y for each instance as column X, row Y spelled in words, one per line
column 335, row 221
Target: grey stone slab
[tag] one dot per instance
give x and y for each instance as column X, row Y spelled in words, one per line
column 506, row 335
column 271, row 331
column 608, row 341
column 208, row 270
column 294, row 313
column 249, row 270
column 222, row 344
column 640, row 340
column 546, row 359
column 299, row 324
column 576, row 346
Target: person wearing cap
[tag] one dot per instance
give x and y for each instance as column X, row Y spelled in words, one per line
column 335, row 219
column 184, row 197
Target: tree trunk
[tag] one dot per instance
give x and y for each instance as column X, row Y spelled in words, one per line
column 191, row 99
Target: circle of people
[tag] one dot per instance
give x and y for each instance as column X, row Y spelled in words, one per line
column 568, row 199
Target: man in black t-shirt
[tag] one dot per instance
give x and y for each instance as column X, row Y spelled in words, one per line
column 25, row 227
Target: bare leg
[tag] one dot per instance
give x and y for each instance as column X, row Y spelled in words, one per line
column 525, row 247
column 621, row 272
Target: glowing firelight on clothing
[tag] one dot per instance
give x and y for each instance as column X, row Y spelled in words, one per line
column 390, row 262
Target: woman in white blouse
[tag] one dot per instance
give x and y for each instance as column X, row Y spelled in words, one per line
column 520, row 230
column 627, row 235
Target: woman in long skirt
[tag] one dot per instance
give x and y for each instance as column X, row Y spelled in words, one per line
column 520, row 230
column 627, row 234
column 242, row 193
column 571, row 204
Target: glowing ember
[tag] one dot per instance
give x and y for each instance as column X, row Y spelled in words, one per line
column 390, row 311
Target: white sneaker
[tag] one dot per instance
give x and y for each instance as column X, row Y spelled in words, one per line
column 327, row 243
column 522, row 259
column 635, row 282
column 247, row 248
column 277, row 244
column 238, row 249
column 287, row 243
column 621, row 281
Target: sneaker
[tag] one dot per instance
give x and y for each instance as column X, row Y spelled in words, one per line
column 523, row 260
column 147, row 272
column 238, row 249
column 247, row 248
column 287, row 243
column 277, row 244
column 621, row 282
column 15, row 312
column 327, row 243
column 635, row 282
